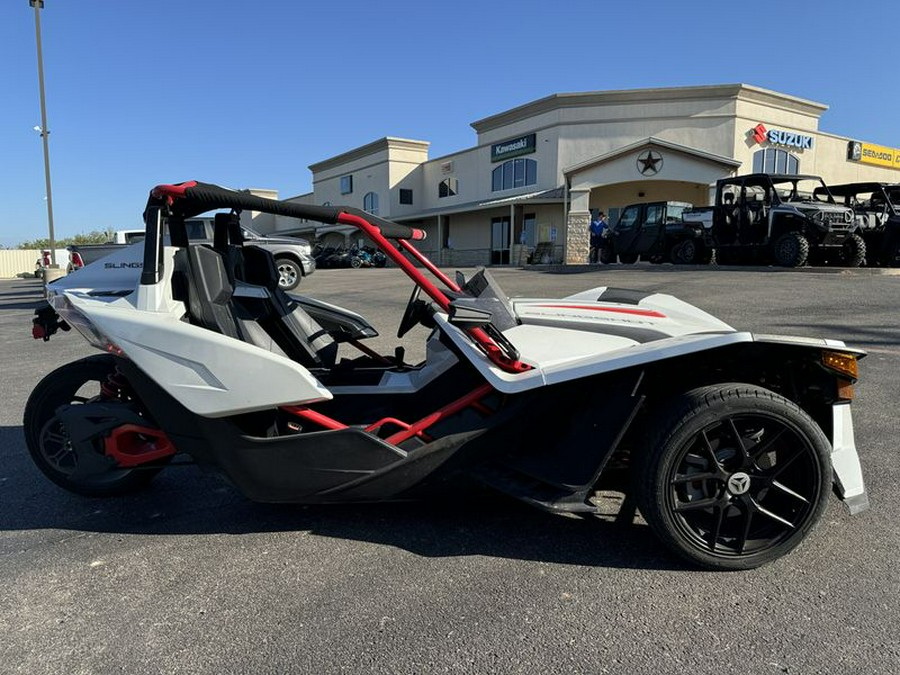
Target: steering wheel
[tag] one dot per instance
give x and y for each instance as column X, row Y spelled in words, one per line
column 410, row 314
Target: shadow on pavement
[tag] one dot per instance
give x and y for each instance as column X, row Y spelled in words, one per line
column 186, row 500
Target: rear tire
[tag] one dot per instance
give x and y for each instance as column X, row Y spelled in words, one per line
column 78, row 381
column 733, row 476
column 791, row 250
column 628, row 258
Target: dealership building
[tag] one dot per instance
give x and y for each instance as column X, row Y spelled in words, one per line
column 538, row 170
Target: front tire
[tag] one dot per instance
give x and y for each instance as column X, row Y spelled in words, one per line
column 289, row 274
column 853, row 252
column 628, row 258
column 47, row 441
column 791, row 250
column 733, row 476
column 607, row 255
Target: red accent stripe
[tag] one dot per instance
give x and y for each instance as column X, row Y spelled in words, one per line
column 618, row 310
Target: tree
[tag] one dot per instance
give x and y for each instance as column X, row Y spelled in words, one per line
column 92, row 237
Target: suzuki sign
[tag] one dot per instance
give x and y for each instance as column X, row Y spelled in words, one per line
column 790, row 139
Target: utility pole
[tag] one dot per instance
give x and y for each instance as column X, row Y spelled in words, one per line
column 45, row 132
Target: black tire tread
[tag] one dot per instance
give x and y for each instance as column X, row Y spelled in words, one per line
column 35, row 417
column 672, row 416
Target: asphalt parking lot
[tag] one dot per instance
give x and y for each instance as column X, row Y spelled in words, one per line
column 190, row 577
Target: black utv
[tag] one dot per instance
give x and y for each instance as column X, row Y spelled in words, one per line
column 660, row 232
column 876, row 211
column 788, row 220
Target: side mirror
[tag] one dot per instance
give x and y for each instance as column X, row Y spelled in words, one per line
column 466, row 316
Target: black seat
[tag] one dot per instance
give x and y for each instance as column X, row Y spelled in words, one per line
column 201, row 281
column 283, row 318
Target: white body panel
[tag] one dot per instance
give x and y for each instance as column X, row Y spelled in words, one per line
column 845, row 460
column 208, row 373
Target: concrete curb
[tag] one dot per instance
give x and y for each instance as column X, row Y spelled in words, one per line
column 668, row 267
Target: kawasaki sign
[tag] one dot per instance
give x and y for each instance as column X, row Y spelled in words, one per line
column 513, row 148
column 778, row 137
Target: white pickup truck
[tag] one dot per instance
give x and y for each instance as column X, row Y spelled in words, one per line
column 293, row 255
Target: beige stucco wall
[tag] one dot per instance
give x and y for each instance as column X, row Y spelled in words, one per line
column 574, row 129
column 623, row 194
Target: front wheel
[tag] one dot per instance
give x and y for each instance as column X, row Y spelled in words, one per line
column 791, row 250
column 289, row 274
column 853, row 252
column 47, row 440
column 607, row 254
column 733, row 476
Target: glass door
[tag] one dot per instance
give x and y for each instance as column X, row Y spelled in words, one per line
column 500, row 241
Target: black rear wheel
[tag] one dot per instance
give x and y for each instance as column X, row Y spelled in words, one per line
column 46, row 438
column 733, row 476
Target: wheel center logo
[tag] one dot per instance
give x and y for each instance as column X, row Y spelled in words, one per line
column 738, row 483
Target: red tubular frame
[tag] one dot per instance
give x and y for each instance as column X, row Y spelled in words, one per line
column 440, row 414
column 482, row 339
column 472, row 399
column 427, row 264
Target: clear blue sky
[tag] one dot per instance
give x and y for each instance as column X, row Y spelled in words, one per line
column 249, row 93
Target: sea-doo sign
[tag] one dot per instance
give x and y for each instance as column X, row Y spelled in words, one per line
column 780, row 137
column 513, row 148
column 868, row 153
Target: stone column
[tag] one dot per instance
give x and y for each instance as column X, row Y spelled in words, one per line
column 578, row 239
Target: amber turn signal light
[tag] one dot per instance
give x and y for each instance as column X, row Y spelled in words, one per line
column 841, row 363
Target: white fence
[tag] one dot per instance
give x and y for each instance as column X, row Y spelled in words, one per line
column 14, row 262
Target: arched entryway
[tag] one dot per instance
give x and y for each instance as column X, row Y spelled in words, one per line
column 652, row 170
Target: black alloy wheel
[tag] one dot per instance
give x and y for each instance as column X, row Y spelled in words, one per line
column 46, row 438
column 734, row 476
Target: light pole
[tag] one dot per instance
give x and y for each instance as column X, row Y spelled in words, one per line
column 45, row 131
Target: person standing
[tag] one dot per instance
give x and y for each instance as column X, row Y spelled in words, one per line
column 598, row 229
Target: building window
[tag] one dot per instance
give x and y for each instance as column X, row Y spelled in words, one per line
column 346, row 185
column 370, row 203
column 514, row 174
column 405, row 196
column 775, row 160
column 449, row 187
